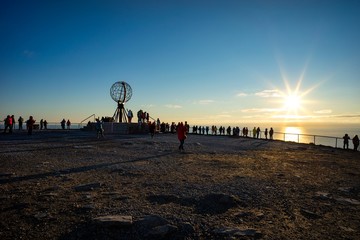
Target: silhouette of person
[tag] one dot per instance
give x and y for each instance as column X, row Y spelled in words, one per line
column 8, row 124
column 20, row 120
column 355, row 141
column 258, row 132
column 271, row 133
column 63, row 123
column 181, row 132
column 346, row 141
column 41, row 124
column 152, row 128
column 266, row 133
column 68, row 124
column 99, row 128
column 45, row 124
column 30, row 125
column 130, row 115
column 13, row 122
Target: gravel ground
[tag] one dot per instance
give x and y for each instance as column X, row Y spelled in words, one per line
column 56, row 185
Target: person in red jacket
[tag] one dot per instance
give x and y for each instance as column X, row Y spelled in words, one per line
column 181, row 132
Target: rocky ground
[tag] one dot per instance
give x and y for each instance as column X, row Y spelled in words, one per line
column 70, row 185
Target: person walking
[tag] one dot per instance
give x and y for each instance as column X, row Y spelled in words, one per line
column 68, row 124
column 181, row 132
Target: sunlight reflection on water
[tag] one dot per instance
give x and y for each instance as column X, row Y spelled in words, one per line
column 292, row 133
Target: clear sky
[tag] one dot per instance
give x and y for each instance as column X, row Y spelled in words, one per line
column 207, row 62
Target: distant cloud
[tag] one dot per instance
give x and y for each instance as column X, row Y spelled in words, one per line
column 173, row 106
column 204, row 102
column 241, row 94
column 259, row 110
column 323, row 111
column 348, row 116
column 269, row 94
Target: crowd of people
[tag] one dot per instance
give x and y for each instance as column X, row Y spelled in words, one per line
column 158, row 126
column 355, row 141
column 234, row 131
column 10, row 122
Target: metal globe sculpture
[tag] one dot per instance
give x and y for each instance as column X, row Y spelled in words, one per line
column 120, row 92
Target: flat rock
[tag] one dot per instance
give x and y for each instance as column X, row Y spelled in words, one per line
column 115, row 220
column 347, row 201
column 237, row 232
column 151, row 221
column 87, row 187
column 162, row 231
column 323, row 195
column 309, row 214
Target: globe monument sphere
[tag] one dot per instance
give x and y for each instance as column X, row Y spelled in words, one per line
column 121, row 93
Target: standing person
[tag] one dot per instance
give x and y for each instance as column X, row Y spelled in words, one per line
column 63, row 123
column 139, row 115
column 355, row 141
column 99, row 128
column 30, row 125
column 181, row 132
column 45, row 124
column 158, row 124
column 68, row 124
column 254, row 132
column 130, row 115
column 152, row 128
column 20, row 120
column 13, row 122
column 258, row 132
column 271, row 133
column 266, row 133
column 8, row 124
column 346, row 141
column 41, row 124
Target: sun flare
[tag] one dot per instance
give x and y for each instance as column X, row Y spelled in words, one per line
column 292, row 102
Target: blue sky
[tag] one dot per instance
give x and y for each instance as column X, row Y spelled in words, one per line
column 207, row 62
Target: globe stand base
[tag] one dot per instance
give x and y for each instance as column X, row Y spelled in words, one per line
column 120, row 114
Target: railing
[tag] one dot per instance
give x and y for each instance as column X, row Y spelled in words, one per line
column 330, row 141
column 311, row 139
column 80, row 124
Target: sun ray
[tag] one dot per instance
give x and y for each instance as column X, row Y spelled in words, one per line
column 293, row 98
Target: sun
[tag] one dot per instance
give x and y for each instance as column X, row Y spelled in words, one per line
column 292, row 102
